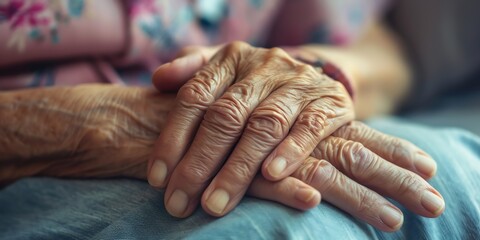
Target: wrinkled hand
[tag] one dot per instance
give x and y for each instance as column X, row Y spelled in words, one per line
column 360, row 203
column 246, row 107
column 360, row 166
column 109, row 131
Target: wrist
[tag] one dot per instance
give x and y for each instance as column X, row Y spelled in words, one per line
column 84, row 131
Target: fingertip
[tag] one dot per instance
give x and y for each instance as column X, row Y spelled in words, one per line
column 308, row 198
column 391, row 219
column 425, row 166
column 433, row 202
column 290, row 192
column 158, row 174
column 274, row 170
column 177, row 204
column 160, row 76
column 171, row 76
column 216, row 202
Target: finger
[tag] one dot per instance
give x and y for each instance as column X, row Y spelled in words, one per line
column 289, row 191
column 171, row 76
column 398, row 151
column 192, row 101
column 370, row 170
column 317, row 121
column 266, row 127
column 349, row 196
column 218, row 133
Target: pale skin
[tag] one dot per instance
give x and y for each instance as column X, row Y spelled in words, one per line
column 346, row 163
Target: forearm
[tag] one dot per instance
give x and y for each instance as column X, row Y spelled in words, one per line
column 377, row 68
column 62, row 131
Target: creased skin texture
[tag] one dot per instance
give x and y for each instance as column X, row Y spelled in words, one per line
column 84, row 131
column 249, row 106
column 108, row 131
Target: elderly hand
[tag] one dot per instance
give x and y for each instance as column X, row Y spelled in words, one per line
column 109, row 131
column 90, row 130
column 350, row 190
column 246, row 107
column 359, row 166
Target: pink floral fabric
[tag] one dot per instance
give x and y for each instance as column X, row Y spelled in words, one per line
column 68, row 42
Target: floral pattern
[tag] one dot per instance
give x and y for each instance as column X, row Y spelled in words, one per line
column 37, row 20
column 123, row 41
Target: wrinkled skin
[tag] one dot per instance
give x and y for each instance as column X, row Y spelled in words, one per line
column 83, row 131
column 107, row 131
column 191, row 60
column 246, row 107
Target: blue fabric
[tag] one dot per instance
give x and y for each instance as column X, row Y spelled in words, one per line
column 460, row 109
column 43, row 208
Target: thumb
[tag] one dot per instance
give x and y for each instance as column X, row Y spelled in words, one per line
column 171, row 76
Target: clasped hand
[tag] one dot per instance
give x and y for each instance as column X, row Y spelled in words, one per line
column 257, row 120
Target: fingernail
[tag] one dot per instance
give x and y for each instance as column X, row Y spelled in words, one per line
column 432, row 202
column 391, row 217
column 425, row 165
column 306, row 195
column 177, row 203
column 277, row 166
column 218, row 201
column 158, row 173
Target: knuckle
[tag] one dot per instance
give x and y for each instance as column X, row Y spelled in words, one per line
column 194, row 173
column 352, row 130
column 313, row 122
column 409, row 182
column 318, row 173
column 241, row 172
column 268, row 124
column 275, row 58
column 196, row 93
column 307, row 171
column 366, row 203
column 328, row 177
column 236, row 46
column 334, row 89
column 244, row 90
column 307, row 70
column 226, row 115
column 400, row 153
column 359, row 161
column 300, row 144
column 327, row 149
column 278, row 52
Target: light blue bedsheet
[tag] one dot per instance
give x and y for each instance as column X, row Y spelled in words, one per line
column 42, row 208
